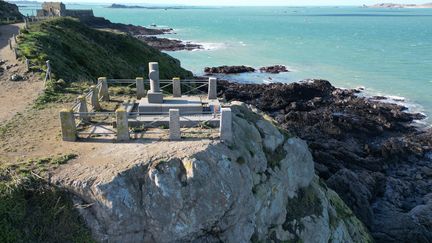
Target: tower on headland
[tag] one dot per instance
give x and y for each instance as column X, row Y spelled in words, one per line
column 58, row 9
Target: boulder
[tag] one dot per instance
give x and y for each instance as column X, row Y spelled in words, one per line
column 274, row 69
column 228, row 69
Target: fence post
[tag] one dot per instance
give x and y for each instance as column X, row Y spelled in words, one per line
column 122, row 125
column 68, row 127
column 212, row 89
column 176, row 87
column 15, row 38
column 226, row 133
column 174, row 124
column 83, row 108
column 140, row 88
column 48, row 72
column 27, row 63
column 94, row 98
column 103, row 92
column 15, row 52
column 10, row 44
column 26, row 23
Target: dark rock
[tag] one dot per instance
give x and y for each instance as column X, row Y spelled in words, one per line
column 369, row 151
column 16, row 77
column 228, row 69
column 165, row 44
column 274, row 69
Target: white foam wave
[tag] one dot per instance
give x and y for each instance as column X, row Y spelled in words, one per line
column 210, row 46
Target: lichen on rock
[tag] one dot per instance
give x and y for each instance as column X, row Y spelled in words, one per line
column 208, row 191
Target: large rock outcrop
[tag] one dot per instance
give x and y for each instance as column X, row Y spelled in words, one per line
column 260, row 187
column 9, row 10
column 369, row 150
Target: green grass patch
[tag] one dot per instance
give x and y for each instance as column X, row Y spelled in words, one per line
column 32, row 210
column 79, row 54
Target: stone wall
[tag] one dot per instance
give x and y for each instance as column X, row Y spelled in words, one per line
column 58, row 9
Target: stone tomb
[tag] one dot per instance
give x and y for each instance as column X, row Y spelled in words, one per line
column 155, row 102
column 186, row 105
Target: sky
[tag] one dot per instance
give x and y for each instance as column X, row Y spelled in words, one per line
column 251, row 2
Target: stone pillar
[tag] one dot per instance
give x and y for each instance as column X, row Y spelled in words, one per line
column 154, row 77
column 140, row 88
column 174, row 124
column 68, row 127
column 27, row 63
column 122, row 125
column 212, row 89
column 10, row 44
column 15, row 38
column 226, row 133
column 83, row 108
column 176, row 87
column 103, row 92
column 155, row 94
column 15, row 50
column 94, row 98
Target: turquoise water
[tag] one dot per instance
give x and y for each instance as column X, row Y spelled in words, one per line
column 387, row 51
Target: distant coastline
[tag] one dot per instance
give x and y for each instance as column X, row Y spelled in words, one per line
column 115, row 5
column 395, row 5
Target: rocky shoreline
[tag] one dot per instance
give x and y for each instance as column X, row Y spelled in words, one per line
column 244, row 69
column 147, row 35
column 368, row 151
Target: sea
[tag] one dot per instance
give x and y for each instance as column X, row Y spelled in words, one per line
column 386, row 52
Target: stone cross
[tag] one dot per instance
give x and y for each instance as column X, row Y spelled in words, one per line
column 154, row 77
column 155, row 95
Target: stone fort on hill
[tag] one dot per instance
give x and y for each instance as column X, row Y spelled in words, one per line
column 58, row 9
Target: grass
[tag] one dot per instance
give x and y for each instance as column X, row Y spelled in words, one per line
column 32, row 210
column 79, row 54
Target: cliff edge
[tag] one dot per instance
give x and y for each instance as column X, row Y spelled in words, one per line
column 260, row 187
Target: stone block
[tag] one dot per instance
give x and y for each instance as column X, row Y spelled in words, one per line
column 68, row 127
column 155, row 97
column 94, row 98
column 226, row 132
column 140, row 88
column 212, row 89
column 122, row 125
column 174, row 124
column 103, row 91
column 176, row 87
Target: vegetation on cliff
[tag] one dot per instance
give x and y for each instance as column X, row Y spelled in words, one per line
column 8, row 10
column 78, row 54
column 32, row 210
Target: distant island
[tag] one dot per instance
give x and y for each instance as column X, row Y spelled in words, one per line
column 396, row 5
column 115, row 5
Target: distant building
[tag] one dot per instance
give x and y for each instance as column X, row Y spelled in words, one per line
column 58, row 9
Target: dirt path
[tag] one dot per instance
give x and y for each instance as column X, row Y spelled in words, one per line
column 15, row 97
